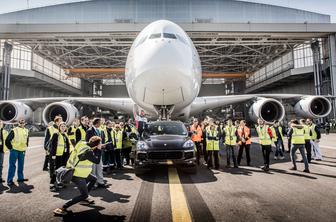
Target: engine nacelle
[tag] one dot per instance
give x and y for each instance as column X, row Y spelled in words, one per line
column 313, row 107
column 68, row 112
column 14, row 111
column 267, row 109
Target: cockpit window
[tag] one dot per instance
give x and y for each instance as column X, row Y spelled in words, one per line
column 155, row 36
column 181, row 39
column 169, row 36
column 142, row 40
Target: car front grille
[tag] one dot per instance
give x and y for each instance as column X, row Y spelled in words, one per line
column 188, row 155
column 165, row 155
column 142, row 156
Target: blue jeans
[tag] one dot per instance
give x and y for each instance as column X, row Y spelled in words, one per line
column 301, row 147
column 278, row 150
column 13, row 157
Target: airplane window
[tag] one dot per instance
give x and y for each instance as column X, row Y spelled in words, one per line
column 169, row 36
column 181, row 39
column 155, row 36
column 142, row 40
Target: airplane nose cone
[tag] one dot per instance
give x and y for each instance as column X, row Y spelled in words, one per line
column 164, row 69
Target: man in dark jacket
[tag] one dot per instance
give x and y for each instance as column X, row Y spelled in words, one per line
column 51, row 130
column 81, row 130
column 97, row 169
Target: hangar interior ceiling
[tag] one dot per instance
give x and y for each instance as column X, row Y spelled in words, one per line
column 222, row 54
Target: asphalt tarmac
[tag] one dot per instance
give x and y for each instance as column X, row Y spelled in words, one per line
column 170, row 194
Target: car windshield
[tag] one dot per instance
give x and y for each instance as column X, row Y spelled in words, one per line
column 166, row 128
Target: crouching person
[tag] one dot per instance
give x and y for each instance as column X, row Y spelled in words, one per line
column 82, row 159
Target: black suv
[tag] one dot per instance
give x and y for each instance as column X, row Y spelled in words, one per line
column 163, row 141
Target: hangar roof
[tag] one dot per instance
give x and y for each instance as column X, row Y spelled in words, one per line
column 145, row 11
column 232, row 37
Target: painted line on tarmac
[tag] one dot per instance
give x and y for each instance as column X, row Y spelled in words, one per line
column 143, row 205
column 179, row 206
column 200, row 210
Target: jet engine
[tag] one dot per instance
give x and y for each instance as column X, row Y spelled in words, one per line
column 68, row 112
column 313, row 107
column 13, row 111
column 267, row 109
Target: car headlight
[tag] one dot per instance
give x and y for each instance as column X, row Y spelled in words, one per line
column 188, row 144
column 141, row 145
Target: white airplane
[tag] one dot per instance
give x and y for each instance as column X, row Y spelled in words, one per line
column 163, row 77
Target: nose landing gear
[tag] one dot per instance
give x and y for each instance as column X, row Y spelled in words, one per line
column 164, row 111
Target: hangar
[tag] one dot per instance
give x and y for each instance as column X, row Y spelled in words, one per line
column 80, row 49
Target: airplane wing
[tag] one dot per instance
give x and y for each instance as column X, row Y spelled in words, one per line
column 264, row 105
column 13, row 110
column 122, row 104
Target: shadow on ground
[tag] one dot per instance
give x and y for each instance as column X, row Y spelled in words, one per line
column 93, row 214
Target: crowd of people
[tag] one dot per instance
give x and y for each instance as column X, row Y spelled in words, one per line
column 209, row 135
column 94, row 147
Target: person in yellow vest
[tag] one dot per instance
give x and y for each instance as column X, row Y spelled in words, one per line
column 127, row 143
column 103, row 130
column 17, row 143
column 72, row 131
column 3, row 136
column 82, row 159
column 109, row 158
column 265, row 139
column 212, row 146
column 59, row 154
column 277, row 139
column 298, row 141
column 307, row 137
column 230, row 140
column 51, row 130
column 315, row 140
column 118, row 138
column 81, row 130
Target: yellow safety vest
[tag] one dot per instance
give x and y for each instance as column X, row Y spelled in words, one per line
column 19, row 141
column 314, row 134
column 275, row 137
column 104, row 129
column 4, row 136
column 230, row 135
column 306, row 132
column 211, row 144
column 264, row 137
column 60, row 145
column 83, row 168
column 298, row 136
column 73, row 133
column 112, row 133
column 83, row 133
column 52, row 130
column 118, row 139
